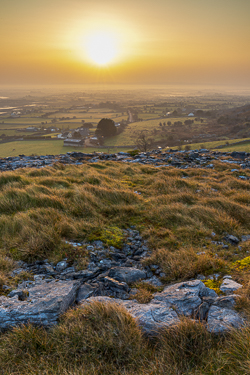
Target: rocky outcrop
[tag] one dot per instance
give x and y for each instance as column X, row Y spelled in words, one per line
column 111, row 273
column 191, row 299
column 229, row 286
column 39, row 304
column 179, row 159
column 42, row 302
column 185, row 297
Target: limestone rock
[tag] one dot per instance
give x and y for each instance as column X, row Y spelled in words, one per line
column 127, row 274
column 84, row 275
column 227, row 302
column 115, row 285
column 185, row 297
column 43, row 305
column 221, row 320
column 232, row 239
column 228, row 286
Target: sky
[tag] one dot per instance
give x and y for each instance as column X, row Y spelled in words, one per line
column 152, row 42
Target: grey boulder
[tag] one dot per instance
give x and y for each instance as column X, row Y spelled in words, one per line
column 221, row 320
column 40, row 304
column 127, row 274
column 185, row 297
column 229, row 286
column 232, row 239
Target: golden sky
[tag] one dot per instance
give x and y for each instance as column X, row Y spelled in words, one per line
column 155, row 41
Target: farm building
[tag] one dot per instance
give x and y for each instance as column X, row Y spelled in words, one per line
column 72, row 142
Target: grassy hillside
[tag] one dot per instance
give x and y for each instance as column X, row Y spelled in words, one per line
column 241, row 147
column 176, row 212
column 229, row 145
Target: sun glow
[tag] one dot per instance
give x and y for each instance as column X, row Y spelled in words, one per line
column 102, row 47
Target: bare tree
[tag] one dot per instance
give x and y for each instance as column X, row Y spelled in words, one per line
column 143, row 141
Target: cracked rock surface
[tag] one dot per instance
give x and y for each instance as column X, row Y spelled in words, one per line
column 40, row 304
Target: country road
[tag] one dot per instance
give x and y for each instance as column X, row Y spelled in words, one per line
column 130, row 117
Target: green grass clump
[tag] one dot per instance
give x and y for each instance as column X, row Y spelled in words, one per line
column 112, row 236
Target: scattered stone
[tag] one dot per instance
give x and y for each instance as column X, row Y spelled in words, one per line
column 239, row 155
column 178, row 159
column 108, row 274
column 227, row 277
column 243, row 178
column 201, row 277
column 115, row 285
column 245, row 238
column 228, row 286
column 61, row 266
column 227, row 302
column 232, row 239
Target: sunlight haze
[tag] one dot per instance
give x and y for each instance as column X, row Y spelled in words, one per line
column 156, row 42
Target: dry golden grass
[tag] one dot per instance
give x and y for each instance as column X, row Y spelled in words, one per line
column 39, row 209
column 104, row 339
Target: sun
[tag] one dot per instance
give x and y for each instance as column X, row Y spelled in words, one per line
column 102, row 47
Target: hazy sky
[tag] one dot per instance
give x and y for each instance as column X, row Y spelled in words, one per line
column 156, row 41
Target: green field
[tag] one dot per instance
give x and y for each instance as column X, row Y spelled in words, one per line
column 243, row 147
column 128, row 136
column 45, row 148
column 211, row 145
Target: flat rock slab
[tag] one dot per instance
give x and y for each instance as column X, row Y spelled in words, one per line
column 151, row 317
column 185, row 297
column 221, row 320
column 229, row 286
column 127, row 274
column 43, row 305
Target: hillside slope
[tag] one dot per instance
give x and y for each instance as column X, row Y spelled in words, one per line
column 185, row 217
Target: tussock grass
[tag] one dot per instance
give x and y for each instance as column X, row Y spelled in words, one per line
column 73, row 202
column 39, row 209
column 104, row 339
column 184, row 263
